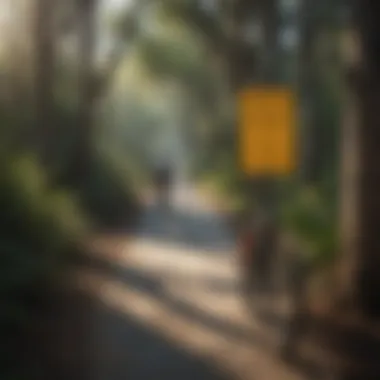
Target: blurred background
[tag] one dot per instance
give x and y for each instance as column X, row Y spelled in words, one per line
column 142, row 234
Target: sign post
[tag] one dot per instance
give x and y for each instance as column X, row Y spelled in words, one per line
column 267, row 153
column 267, row 136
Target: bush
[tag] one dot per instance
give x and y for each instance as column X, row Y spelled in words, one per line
column 109, row 196
column 40, row 227
column 311, row 218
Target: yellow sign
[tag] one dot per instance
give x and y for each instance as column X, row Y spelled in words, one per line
column 267, row 119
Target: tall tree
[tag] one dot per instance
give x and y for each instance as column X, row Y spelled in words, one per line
column 359, row 263
column 93, row 82
column 87, row 48
column 368, row 92
column 361, row 177
column 44, row 74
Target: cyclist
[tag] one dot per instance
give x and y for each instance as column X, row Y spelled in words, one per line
column 163, row 179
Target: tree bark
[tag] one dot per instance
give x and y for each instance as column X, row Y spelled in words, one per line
column 87, row 86
column 359, row 281
column 92, row 85
column 44, row 76
column 308, row 86
column 360, row 183
column 369, row 171
column 240, row 56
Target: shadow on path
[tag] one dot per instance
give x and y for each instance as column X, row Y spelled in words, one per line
column 153, row 286
column 135, row 352
column 98, row 343
column 93, row 342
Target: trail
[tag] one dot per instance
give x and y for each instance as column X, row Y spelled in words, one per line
column 170, row 304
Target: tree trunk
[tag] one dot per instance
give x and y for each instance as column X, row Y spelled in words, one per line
column 369, row 171
column 92, row 85
column 87, row 88
column 241, row 56
column 349, row 202
column 308, row 86
column 359, row 283
column 268, row 69
column 360, row 173
column 44, row 76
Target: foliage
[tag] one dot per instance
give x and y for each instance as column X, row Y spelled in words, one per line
column 42, row 222
column 40, row 228
column 178, row 59
column 206, row 22
column 109, row 195
column 310, row 216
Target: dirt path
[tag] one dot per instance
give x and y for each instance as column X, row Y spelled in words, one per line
column 170, row 305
